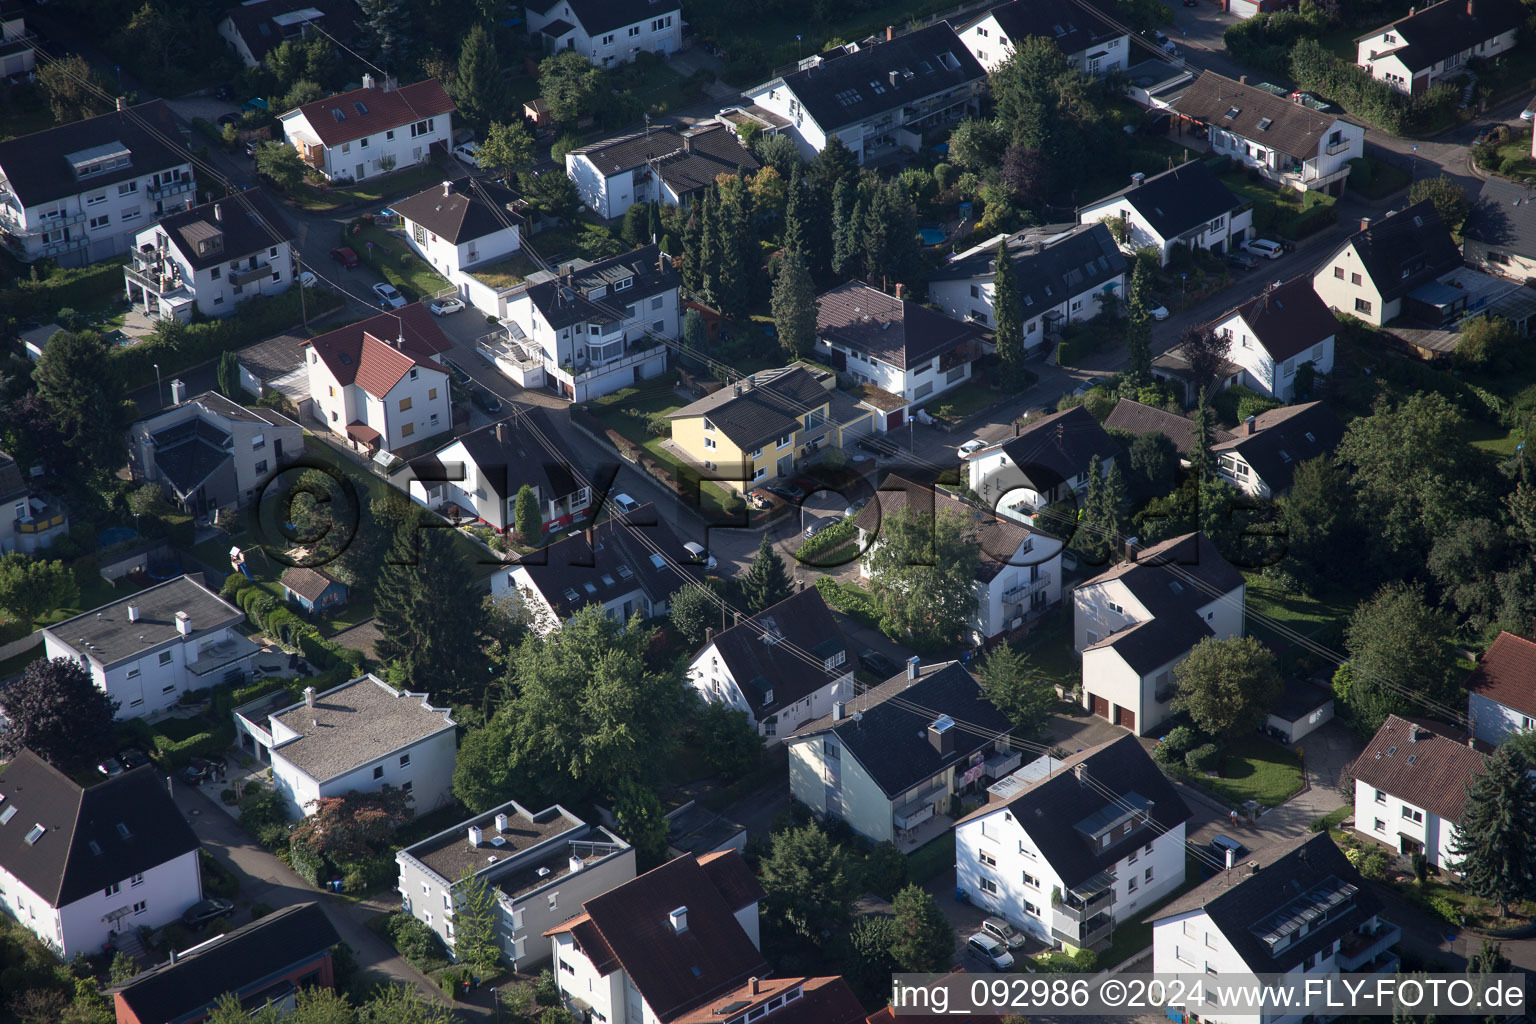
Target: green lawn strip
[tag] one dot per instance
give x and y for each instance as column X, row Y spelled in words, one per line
column 1333, row 818
column 1254, row 768
column 1495, row 440
column 505, row 273
column 390, row 255
column 1319, row 619
column 932, row 859
column 658, row 88
column 850, row 599
column 94, row 592
column 371, row 190
column 960, row 402
column 1050, row 655
column 1380, row 180
column 625, row 413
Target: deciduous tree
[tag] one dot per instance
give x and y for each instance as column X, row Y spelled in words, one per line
column 30, row 586
column 58, row 713
column 507, row 149
column 1448, row 198
column 280, row 164
column 354, row 825
column 1205, row 352
column 1227, row 685
column 806, row 883
column 87, row 404
column 68, row 85
column 569, row 86
column 642, row 822
column 924, row 940
column 1400, row 660
column 923, row 573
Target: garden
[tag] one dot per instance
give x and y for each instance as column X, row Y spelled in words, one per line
column 320, row 196
column 1248, row 768
column 1285, row 212
column 390, row 256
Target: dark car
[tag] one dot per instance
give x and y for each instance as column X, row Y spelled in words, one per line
column 345, row 256
column 486, row 401
column 200, row 770
column 787, row 491
column 1221, row 844
column 872, row 661
column 870, row 446
column 206, row 910
column 132, row 758
column 1242, row 259
column 817, row 526
column 110, row 767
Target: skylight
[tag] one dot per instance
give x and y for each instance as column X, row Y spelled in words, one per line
column 590, row 588
column 6, row 815
column 122, row 830
column 658, row 561
column 1265, row 122
column 361, row 107
column 1232, row 112
column 337, row 113
column 34, row 835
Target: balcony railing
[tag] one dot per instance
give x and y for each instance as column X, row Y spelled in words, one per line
column 636, row 351
column 40, row 524
column 1017, row 595
column 256, row 273
column 1085, row 934
column 170, row 188
column 53, row 224
column 1337, row 147
column 1360, row 948
column 1079, row 910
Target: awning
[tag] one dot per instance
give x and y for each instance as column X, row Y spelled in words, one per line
column 359, row 431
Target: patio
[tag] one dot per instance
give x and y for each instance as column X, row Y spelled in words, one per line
column 921, row 834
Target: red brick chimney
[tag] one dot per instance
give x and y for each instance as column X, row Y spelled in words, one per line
column 890, row 30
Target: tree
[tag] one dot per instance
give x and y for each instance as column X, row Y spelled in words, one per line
column 68, row 85
column 280, row 164
column 1154, row 466
column 642, row 821
column 1227, row 686
column 569, row 86
column 805, row 882
column 692, row 611
column 1465, row 562
column 87, row 404
column 1492, row 841
column 31, row 586
column 507, row 149
column 770, row 193
column 355, row 825
column 526, row 516
column 634, row 228
column 480, row 90
column 475, row 917
column 835, row 163
column 1102, row 521
column 1138, row 326
column 1486, row 340
column 403, row 1004
column 847, row 236
column 1202, row 461
column 695, row 334
column 229, row 375
column 922, row 574
column 925, row 941
column 482, row 769
column 737, row 258
column 387, row 32
column 1024, row 174
column 870, row 963
column 1316, row 523
column 427, row 620
column 1400, row 661
column 976, row 144
column 123, row 967
column 731, row 744
column 1205, row 352
column 767, row 581
column 1027, row 699
column 807, row 223
column 1008, row 317
column 552, row 194
column 57, row 712
column 1448, row 198
column 794, row 307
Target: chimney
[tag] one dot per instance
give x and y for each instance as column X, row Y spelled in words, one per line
column 688, row 142
column 566, row 270
column 447, row 189
column 839, row 708
column 1471, row 742
column 709, row 635
column 368, row 81
column 1137, row 179
column 573, row 865
column 475, row 835
column 183, row 624
column 913, row 663
column 1471, row 12
column 1413, row 733
column 501, row 433
column 678, row 919
column 1080, row 772
column 739, row 390
column 1132, row 548
column 591, row 540
column 1242, row 79
column 941, row 735
column 1250, row 423
column 501, row 822
column 190, row 203
column 178, row 392
column 174, row 955
column 894, row 76
column 1365, row 223
column 752, row 987
column 391, row 83
column 890, row 32
column 122, row 105
column 133, row 613
column 899, row 286
column 218, row 212
column 309, row 696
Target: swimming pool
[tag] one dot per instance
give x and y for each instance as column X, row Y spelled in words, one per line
column 932, row 236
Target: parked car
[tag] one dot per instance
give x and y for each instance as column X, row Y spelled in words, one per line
column 132, row 758
column 1158, row 312
column 308, row 280
column 816, row 526
column 785, row 490
column 855, row 508
column 467, row 151
column 975, row 444
column 989, row 951
column 1221, row 844
column 486, row 401
column 1242, row 259
column 442, row 307
column 225, row 92
column 1265, row 248
column 202, row 912
column 198, row 771
column 875, row 663
column 345, row 256
column 625, row 503
column 700, row 555
column 389, row 296
column 760, row 500
column 111, row 767
column 1004, row 932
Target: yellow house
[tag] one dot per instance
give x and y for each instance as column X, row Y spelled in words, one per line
column 760, row 428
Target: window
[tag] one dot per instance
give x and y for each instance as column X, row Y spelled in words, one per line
column 975, row 291
column 1381, row 797
column 218, row 272
column 1146, row 876
column 709, row 442
column 431, row 394
column 137, row 879
column 127, row 188
column 1031, row 881
column 168, row 689
column 1417, row 817
column 422, row 127
column 1381, row 826
column 1183, row 957
column 988, row 886
column 405, row 403
column 554, row 901
column 363, row 142
column 1130, row 885
column 447, row 901
column 987, row 859
column 96, row 200
column 608, row 39
column 408, row 430
column 405, row 760
column 133, row 673
column 1363, row 306
column 1354, row 279
column 113, row 889
column 656, row 302
column 634, row 30
column 1338, row 272
column 1031, row 909
column 261, row 467
column 413, row 373
column 140, row 907
column 567, row 968
column 102, row 221
column 389, row 136
column 378, row 771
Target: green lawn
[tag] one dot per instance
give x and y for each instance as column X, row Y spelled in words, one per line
column 1050, row 655
column 94, row 592
column 933, row 859
column 658, row 88
column 507, row 273
column 390, row 255
column 1320, row 619
column 1495, row 440
column 1282, row 211
column 625, row 413
column 1256, row 768
column 13, row 666
column 959, row 402
column 322, row 198
column 1379, row 178
column 23, row 111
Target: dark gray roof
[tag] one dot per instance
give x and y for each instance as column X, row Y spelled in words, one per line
column 1135, row 418
column 1287, row 319
column 1149, row 645
column 39, row 172
column 1300, row 698
column 1284, row 438
column 758, row 655
column 1403, row 250
column 1245, row 905
column 253, row 22
column 1449, row 27
column 1274, row 121
column 896, row 331
column 449, row 853
column 241, row 962
column 760, row 412
column 1000, row 538
column 576, row 571
column 557, row 28
column 1058, row 447
column 605, row 15
column 890, row 735
column 517, row 458
column 1503, row 219
column 1122, row 775
column 564, row 303
column 93, row 837
column 106, row 634
column 686, row 159
column 242, row 231
column 1177, row 201
column 276, row 357
column 189, row 452
column 1051, row 273
column 221, row 407
column 1072, row 27
column 854, row 86
column 466, row 213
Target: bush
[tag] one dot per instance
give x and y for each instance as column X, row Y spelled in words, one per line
column 416, row 942
column 229, row 796
column 265, row 817
column 1179, row 742
column 310, row 865
column 370, row 875
column 217, row 879
column 1252, row 405
column 1203, row 759
column 59, row 289
column 884, row 871
column 261, row 910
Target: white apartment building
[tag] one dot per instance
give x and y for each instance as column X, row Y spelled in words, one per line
column 1410, row 787
column 379, row 128
column 607, row 31
column 457, row 230
column 1090, row 43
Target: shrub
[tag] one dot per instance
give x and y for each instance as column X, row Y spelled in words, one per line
column 361, row 877
column 1203, row 758
column 233, row 584
column 1252, row 405
column 265, row 817
column 884, row 870
column 310, row 865
column 61, row 290
column 416, row 942
column 217, row 879
column 228, row 796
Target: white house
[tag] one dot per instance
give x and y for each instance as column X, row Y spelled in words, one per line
column 35, row 521
column 1090, row 43
column 1501, row 697
column 782, row 667
column 661, row 944
column 1018, row 576
column 1260, row 459
column 1277, row 331
column 1135, row 622
column 380, row 383
column 358, row 737
column 541, row 867
column 1410, row 786
column 1046, row 462
column 1302, row 909
column 664, row 164
column 18, row 51
column 1063, row 276
column 210, row 258
column 598, row 327
column 1066, row 849
column 456, row 230
column 1289, row 143
column 147, row 649
column 878, row 99
column 479, row 474
column 1433, row 44
column 903, row 350
column 80, row 865
column 379, row 128
column 1187, row 205
column 1372, row 272
column 607, row 31
column 257, row 27
column 79, row 193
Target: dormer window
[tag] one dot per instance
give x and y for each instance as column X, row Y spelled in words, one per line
column 627, row 282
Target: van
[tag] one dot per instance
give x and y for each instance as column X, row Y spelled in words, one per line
column 699, row 554
column 989, row 951
column 1222, row 845
column 1265, row 248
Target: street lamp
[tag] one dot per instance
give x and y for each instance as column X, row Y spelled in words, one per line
column 1413, row 173
column 159, row 391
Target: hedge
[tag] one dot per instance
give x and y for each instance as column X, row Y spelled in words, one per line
column 80, row 288
column 838, row 533
column 1203, row 758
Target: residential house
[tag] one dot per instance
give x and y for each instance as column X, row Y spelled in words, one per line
column 541, row 867
column 78, row 193
column 1018, row 576
column 1434, row 44
column 357, row 737
column 1411, row 787
column 278, row 367
column 380, row 383
column 878, row 99
column 1135, row 418
column 456, row 230
column 1275, row 333
column 1043, row 463
column 1064, row 276
column 1066, row 849
column 662, row 945
column 664, row 165
column 1304, row 910
column 78, row 865
column 1262, row 457
column 18, row 50
column 1373, row 272
column 598, row 327
column 607, row 31
column 147, row 649
column 1501, row 691
column 366, row 132
column 1091, row 43
column 1173, row 371
column 899, row 347
column 1187, row 205
column 478, row 475
column 762, row 427
column 891, row 762
column 210, row 453
column 1289, row 143
column 1500, row 232
column 783, row 666
column 631, row 565
column 888, row 1014
column 257, row 27
column 1133, row 623
column 35, row 520
column 266, row 962
column 315, row 591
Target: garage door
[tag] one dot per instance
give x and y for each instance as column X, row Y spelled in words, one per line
column 1127, row 718
column 1100, row 706
column 893, row 420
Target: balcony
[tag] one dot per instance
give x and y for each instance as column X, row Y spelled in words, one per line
column 999, row 765
column 637, row 351
column 39, row 517
column 1308, row 178
column 1360, row 949
column 170, row 188
column 919, row 809
column 17, row 43
column 259, row 272
column 1019, row 594
column 1085, row 934
column 1335, row 148
column 230, row 653
column 45, row 224
column 1078, row 910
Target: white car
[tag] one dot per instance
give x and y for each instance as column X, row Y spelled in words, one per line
column 442, row 307
column 467, row 151
column 975, row 444
column 625, row 503
column 1265, row 248
column 701, row 556
column 989, row 951
column 1158, row 312
column 389, row 298
column 307, row 280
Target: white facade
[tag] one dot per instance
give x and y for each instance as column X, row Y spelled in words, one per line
column 660, row 32
column 972, row 300
column 415, row 408
column 993, row 471
column 388, row 149
column 1328, row 162
column 1376, row 55
column 163, row 282
column 607, row 195
column 1492, row 722
column 1260, row 371
column 475, row 492
column 588, row 360
column 17, row 53
column 991, row 47
column 95, row 222
column 1219, row 235
column 712, row 679
column 451, row 258
column 1389, row 820
column 914, row 383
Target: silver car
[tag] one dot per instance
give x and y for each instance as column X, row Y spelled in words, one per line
column 1004, row 932
column 989, row 951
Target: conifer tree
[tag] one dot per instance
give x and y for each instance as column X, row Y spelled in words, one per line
column 427, row 619
column 767, row 581
column 1008, row 317
column 847, row 236
column 1493, row 838
column 794, row 307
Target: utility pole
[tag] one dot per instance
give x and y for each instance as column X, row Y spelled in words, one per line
column 303, row 304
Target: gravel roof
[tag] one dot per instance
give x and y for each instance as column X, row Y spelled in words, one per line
column 354, row 724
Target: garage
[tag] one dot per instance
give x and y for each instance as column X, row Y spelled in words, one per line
column 1125, row 717
column 1303, row 707
column 894, row 419
column 1100, row 706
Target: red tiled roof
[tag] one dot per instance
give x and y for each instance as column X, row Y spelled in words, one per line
column 888, row 1015
column 1288, row 319
column 1424, row 763
column 385, row 110
column 821, row 1001
column 729, row 873
column 1507, row 674
column 366, row 354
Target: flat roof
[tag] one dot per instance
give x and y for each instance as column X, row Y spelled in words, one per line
column 598, row 845
column 450, row 854
column 355, row 724
column 109, row 634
